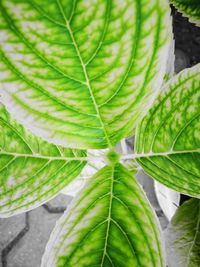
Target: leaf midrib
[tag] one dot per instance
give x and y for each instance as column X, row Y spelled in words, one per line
column 85, row 73
column 154, row 154
column 109, row 218
column 32, row 154
column 166, row 182
column 39, row 156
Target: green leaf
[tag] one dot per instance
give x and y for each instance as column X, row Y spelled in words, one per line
column 80, row 71
column 31, row 170
column 183, row 236
column 109, row 224
column 168, row 138
column 96, row 160
column 189, row 8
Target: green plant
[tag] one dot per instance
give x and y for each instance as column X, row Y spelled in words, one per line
column 190, row 8
column 83, row 75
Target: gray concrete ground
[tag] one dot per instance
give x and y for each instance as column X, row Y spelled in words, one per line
column 23, row 237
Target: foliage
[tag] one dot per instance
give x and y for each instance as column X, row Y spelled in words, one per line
column 168, row 138
column 182, row 236
column 32, row 170
column 82, row 75
column 79, row 91
column 190, row 8
column 121, row 227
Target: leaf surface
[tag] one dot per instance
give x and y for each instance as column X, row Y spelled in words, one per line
column 31, row 170
column 183, row 236
column 109, row 224
column 96, row 160
column 83, row 73
column 168, row 138
column 189, row 8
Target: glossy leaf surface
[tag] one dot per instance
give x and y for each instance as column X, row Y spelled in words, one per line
column 31, row 170
column 168, row 138
column 183, row 236
column 109, row 224
column 82, row 72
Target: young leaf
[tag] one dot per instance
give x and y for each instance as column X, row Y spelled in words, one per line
column 189, row 8
column 31, row 170
column 83, row 73
column 109, row 224
column 168, row 138
column 183, row 236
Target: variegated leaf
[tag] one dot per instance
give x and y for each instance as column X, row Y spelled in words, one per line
column 189, row 8
column 96, row 160
column 82, row 73
column 183, row 236
column 109, row 224
column 31, row 170
column 168, row 138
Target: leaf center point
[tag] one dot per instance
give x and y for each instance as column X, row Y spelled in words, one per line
column 112, row 157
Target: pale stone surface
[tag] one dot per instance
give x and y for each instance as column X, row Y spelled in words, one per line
column 28, row 250
column 9, row 228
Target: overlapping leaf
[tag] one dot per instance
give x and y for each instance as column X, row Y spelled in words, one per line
column 83, row 72
column 109, row 224
column 183, row 236
column 168, row 139
column 96, row 160
column 190, row 8
column 31, row 170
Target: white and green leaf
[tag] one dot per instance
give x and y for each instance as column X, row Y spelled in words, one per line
column 31, row 170
column 96, row 160
column 83, row 72
column 183, row 236
column 168, row 138
column 189, row 8
column 109, row 224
